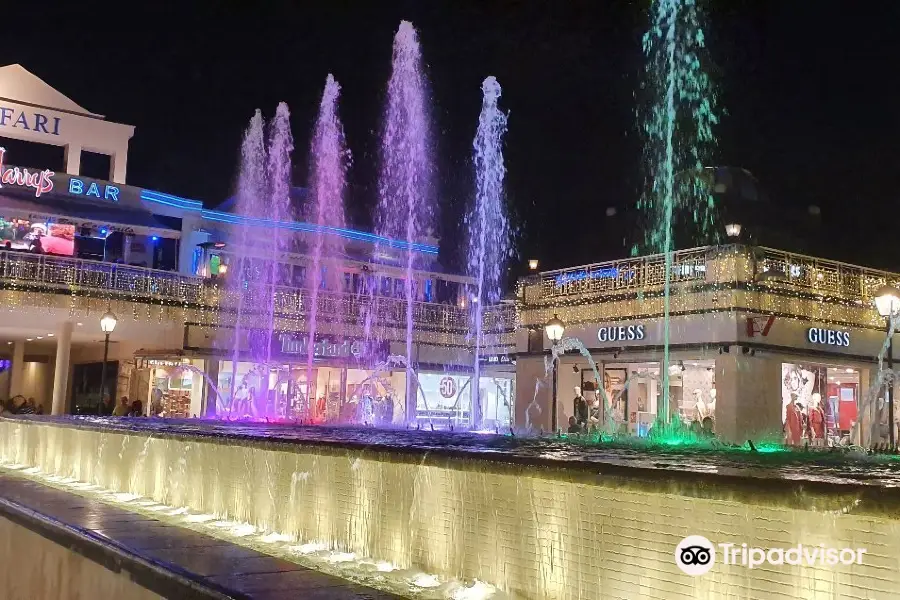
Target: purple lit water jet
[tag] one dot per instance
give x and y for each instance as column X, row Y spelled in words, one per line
column 329, row 158
column 489, row 242
column 405, row 205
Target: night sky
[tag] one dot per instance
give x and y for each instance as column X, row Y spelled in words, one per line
column 811, row 99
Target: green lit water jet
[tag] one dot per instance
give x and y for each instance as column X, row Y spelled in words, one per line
column 677, row 120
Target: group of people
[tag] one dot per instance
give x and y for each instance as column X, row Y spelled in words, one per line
column 804, row 424
column 19, row 405
column 123, row 409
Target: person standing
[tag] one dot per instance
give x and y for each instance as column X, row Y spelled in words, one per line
column 580, row 409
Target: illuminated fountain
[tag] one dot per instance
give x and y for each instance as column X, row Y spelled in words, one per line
column 405, row 209
column 677, row 122
column 264, row 186
column 329, row 158
column 489, row 243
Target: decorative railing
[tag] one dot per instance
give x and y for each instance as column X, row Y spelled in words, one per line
column 79, row 276
column 821, row 276
column 647, row 273
column 630, row 274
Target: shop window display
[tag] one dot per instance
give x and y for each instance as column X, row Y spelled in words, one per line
column 819, row 404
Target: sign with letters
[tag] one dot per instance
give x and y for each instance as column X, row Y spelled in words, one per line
column 828, row 337
column 621, row 333
column 29, row 120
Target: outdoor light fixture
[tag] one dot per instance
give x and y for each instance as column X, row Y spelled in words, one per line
column 555, row 330
column 107, row 326
column 733, row 230
column 223, row 268
column 887, row 302
column 533, row 264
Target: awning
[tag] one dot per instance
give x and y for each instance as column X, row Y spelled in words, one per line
column 115, row 218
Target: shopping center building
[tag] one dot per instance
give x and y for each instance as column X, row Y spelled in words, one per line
column 73, row 248
column 751, row 330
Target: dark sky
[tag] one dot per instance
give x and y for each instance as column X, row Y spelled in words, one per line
column 811, row 97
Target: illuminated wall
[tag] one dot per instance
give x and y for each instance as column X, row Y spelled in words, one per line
column 535, row 532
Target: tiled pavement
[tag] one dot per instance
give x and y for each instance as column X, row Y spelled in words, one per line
column 216, row 566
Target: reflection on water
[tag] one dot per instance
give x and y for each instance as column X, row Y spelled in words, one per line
column 676, row 454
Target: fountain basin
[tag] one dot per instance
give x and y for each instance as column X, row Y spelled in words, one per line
column 538, row 519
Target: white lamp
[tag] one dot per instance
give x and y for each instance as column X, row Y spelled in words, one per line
column 555, row 329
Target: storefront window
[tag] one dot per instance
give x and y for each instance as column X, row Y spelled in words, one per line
column 444, row 399
column 819, row 404
column 176, row 388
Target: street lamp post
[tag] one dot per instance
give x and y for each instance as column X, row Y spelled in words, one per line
column 555, row 329
column 107, row 325
column 887, row 301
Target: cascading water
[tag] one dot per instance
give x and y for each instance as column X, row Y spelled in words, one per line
column 405, row 209
column 329, row 158
column 677, row 124
column 488, row 226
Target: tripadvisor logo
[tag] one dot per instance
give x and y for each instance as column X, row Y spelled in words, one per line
column 696, row 555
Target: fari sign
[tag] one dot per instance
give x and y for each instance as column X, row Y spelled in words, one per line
column 14, row 118
column 621, row 333
column 828, row 337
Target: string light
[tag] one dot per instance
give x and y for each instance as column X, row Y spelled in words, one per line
column 730, row 278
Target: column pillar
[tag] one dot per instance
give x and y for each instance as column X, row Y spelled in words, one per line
column 210, row 397
column 118, row 163
column 17, row 370
column 61, row 372
column 73, row 159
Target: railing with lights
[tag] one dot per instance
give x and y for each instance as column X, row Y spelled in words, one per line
column 25, row 271
column 630, row 274
column 733, row 277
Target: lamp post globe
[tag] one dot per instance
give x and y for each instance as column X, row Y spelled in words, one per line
column 887, row 301
column 555, row 329
column 108, row 322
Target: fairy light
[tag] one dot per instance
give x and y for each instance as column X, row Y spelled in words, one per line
column 724, row 279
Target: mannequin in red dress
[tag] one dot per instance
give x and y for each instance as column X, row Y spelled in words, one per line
column 816, row 419
column 792, row 423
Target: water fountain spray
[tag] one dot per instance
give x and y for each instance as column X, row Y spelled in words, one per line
column 329, row 158
column 405, row 208
column 677, row 124
column 488, row 226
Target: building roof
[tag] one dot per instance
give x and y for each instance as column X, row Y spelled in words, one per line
column 20, row 85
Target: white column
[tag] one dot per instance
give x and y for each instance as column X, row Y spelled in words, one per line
column 17, row 375
column 61, row 373
column 118, row 163
column 73, row 159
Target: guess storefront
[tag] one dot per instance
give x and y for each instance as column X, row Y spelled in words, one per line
column 753, row 377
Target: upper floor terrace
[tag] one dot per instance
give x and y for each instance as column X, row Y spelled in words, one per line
column 209, row 302
column 714, row 278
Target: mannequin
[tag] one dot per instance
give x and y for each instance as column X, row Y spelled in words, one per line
column 701, row 410
column 580, row 408
column 793, row 423
column 816, row 418
column 712, row 403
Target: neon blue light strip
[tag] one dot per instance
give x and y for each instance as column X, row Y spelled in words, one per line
column 223, row 217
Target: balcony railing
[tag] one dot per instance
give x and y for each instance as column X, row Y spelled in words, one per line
column 72, row 275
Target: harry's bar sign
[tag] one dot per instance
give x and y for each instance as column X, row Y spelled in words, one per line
column 40, row 182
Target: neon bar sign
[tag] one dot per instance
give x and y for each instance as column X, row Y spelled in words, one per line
column 40, row 181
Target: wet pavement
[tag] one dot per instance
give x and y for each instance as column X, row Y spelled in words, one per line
column 821, row 466
column 218, row 566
